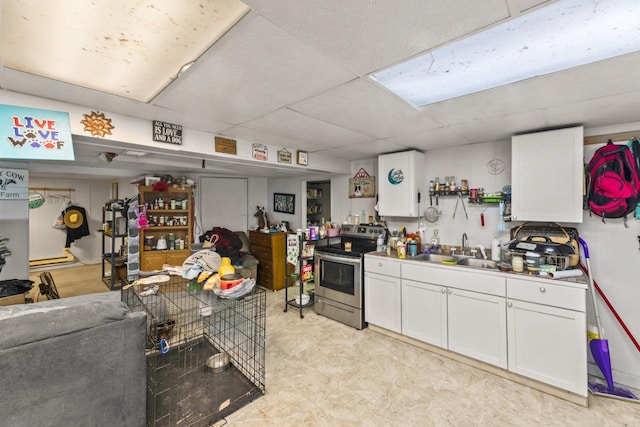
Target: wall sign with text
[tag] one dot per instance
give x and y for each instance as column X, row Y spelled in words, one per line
column 167, row 132
column 31, row 133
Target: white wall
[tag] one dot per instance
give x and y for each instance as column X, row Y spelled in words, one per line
column 48, row 242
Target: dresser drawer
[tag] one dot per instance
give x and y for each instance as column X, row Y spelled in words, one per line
column 380, row 265
column 260, row 239
column 262, row 254
column 547, row 293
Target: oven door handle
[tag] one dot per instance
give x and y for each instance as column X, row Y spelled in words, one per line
column 344, row 260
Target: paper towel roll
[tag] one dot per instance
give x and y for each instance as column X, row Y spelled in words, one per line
column 564, row 273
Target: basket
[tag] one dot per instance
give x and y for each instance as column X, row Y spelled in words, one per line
column 332, row 232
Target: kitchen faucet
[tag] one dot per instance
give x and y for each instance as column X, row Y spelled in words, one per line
column 484, row 254
column 465, row 239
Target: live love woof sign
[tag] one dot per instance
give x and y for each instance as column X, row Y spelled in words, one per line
column 30, row 133
column 167, row 132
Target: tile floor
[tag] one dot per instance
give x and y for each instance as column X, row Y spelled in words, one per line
column 322, row 373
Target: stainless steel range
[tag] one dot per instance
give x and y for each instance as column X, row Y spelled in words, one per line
column 339, row 274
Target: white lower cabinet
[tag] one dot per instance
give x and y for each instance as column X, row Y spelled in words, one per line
column 382, row 301
column 424, row 312
column 547, row 333
column 478, row 326
column 469, row 323
column 533, row 327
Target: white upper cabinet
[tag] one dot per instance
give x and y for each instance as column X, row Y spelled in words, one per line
column 400, row 183
column 547, row 175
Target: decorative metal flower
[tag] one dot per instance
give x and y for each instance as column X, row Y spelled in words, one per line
column 97, row 124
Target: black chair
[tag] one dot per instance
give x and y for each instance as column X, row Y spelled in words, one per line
column 48, row 286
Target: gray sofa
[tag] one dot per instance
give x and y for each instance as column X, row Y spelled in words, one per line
column 77, row 361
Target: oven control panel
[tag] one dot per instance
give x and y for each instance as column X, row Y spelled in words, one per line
column 363, row 231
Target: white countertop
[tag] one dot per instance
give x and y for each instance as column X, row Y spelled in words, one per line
column 578, row 282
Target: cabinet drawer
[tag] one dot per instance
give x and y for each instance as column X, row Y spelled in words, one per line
column 546, row 293
column 265, row 268
column 260, row 239
column 456, row 278
column 388, row 267
column 262, row 254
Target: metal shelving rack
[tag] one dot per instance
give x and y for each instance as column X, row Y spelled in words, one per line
column 110, row 237
column 302, row 261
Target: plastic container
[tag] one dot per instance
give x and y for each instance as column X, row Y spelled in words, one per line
column 517, row 263
column 412, row 248
column 401, row 249
column 532, row 260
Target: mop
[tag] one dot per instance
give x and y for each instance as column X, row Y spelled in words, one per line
column 600, row 349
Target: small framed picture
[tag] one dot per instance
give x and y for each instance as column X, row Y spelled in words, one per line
column 284, row 203
column 151, row 180
column 302, row 158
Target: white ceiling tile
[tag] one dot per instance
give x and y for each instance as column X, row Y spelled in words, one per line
column 366, row 35
column 241, row 132
column 619, row 108
column 430, row 139
column 297, row 126
column 502, row 127
column 365, row 107
column 255, row 68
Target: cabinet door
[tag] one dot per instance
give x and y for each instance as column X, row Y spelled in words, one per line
column 546, row 175
column 150, row 261
column 401, row 174
column 382, row 301
column 176, row 257
column 478, row 326
column 548, row 344
column 424, row 312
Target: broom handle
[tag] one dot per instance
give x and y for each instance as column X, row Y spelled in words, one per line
column 613, row 310
column 585, row 249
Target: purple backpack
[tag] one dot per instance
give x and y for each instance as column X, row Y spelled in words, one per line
column 614, row 185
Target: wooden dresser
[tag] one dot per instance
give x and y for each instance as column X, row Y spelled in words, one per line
column 269, row 250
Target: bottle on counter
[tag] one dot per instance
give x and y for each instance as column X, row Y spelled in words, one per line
column 435, row 241
column 363, row 217
column 496, row 249
column 380, row 243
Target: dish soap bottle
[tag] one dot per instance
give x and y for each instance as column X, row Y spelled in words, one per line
column 435, row 241
column 496, row 252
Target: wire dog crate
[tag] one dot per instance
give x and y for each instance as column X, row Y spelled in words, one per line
column 185, row 328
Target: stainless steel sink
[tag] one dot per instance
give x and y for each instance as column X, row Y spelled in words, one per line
column 478, row 263
column 433, row 257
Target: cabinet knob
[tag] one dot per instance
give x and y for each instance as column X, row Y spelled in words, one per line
column 542, row 289
column 510, row 304
column 450, row 292
column 443, row 290
column 379, row 264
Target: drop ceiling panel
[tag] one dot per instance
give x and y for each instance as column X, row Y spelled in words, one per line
column 241, row 132
column 366, row 35
column 312, row 134
column 430, row 139
column 621, row 108
column 22, row 82
column 365, row 107
column 255, row 68
column 502, row 127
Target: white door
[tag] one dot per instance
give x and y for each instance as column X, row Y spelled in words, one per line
column 382, row 306
column 548, row 344
column 424, row 312
column 223, row 203
column 478, row 326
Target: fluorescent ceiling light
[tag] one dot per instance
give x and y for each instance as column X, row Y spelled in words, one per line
column 565, row 34
column 131, row 49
